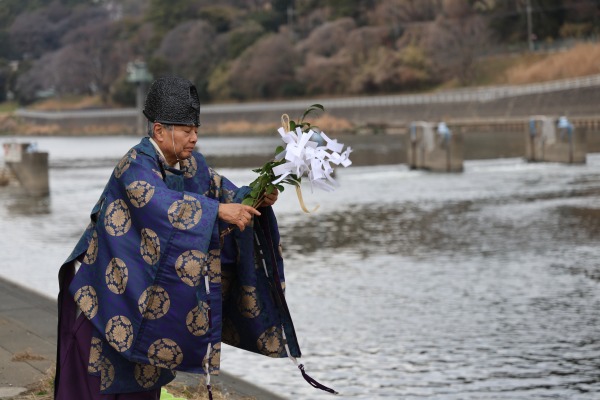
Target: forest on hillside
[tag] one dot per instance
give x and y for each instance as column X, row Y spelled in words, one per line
column 268, row 49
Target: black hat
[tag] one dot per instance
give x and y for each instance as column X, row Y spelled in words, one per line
column 173, row 100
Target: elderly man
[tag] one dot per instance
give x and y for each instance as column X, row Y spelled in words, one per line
column 153, row 286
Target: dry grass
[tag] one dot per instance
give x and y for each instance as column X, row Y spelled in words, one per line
column 330, row 124
column 240, row 128
column 44, row 389
column 200, row 393
column 27, row 355
column 581, row 60
column 325, row 122
column 41, row 390
column 67, row 103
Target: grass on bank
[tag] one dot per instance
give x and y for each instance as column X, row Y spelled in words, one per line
column 581, row 60
column 44, row 390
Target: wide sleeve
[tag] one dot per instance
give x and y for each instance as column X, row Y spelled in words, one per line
column 142, row 283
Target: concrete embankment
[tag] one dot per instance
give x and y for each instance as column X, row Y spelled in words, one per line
column 574, row 97
column 28, row 327
column 492, row 120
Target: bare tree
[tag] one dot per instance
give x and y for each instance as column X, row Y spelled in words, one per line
column 328, row 38
column 33, row 34
column 38, row 77
column 402, row 12
column 363, row 41
column 190, row 50
column 266, row 69
column 389, row 70
column 453, row 45
column 106, row 57
column 326, row 75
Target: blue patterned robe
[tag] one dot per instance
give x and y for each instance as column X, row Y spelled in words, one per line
column 158, row 285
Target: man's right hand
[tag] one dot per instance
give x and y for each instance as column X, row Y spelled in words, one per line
column 237, row 214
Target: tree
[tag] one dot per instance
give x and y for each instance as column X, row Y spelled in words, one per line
column 99, row 56
column 264, row 70
column 326, row 75
column 33, row 34
column 327, row 39
column 242, row 37
column 37, row 77
column 166, row 15
column 351, row 8
column 197, row 64
column 453, row 45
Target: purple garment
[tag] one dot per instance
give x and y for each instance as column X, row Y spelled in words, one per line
column 73, row 382
column 159, row 287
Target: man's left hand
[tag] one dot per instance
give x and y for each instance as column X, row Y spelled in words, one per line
column 269, row 199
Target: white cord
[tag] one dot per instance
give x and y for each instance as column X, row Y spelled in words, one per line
column 208, row 350
column 173, row 140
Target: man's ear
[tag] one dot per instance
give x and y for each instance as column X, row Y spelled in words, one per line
column 158, row 130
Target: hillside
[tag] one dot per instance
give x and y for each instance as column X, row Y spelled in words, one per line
column 249, row 50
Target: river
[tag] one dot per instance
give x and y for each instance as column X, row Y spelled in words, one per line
column 404, row 284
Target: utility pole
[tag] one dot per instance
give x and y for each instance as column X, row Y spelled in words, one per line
column 529, row 26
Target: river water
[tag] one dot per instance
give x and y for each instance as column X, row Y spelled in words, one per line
column 404, row 284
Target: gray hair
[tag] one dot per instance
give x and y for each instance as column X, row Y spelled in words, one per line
column 151, row 127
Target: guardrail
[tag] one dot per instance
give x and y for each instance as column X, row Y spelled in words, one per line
column 466, row 95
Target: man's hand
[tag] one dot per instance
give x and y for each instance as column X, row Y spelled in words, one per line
column 269, row 199
column 237, row 214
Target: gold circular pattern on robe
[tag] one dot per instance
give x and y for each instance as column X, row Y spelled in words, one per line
column 214, row 191
column 146, row 375
column 154, row 302
column 116, row 276
column 150, row 246
column 117, row 219
column 92, row 250
column 124, row 163
column 165, row 353
column 230, row 335
column 140, row 193
column 248, row 302
column 95, row 356
column 185, row 214
column 189, row 266
column 215, row 358
column 119, row 333
column 270, row 342
column 228, row 195
column 107, row 374
column 213, row 260
column 197, row 320
column 87, row 300
column 189, row 167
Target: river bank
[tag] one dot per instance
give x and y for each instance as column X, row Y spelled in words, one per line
column 573, row 97
column 28, row 322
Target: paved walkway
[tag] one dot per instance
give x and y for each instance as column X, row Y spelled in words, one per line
column 28, row 325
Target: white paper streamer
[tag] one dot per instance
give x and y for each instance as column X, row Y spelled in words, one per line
column 306, row 158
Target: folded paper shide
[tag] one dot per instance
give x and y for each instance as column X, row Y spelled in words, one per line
column 309, row 153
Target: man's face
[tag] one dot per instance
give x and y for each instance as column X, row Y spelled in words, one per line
column 185, row 138
column 176, row 143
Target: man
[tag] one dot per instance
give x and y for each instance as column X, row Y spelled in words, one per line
column 152, row 286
